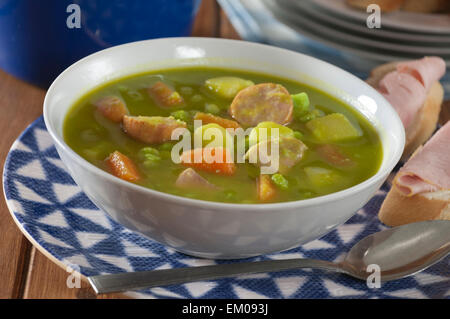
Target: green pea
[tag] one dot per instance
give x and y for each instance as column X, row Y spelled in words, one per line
column 89, row 136
column 197, row 98
column 135, row 95
column 298, row 135
column 212, row 108
column 280, row 181
column 180, row 115
column 307, row 117
column 311, row 115
column 165, row 154
column 150, row 156
column 186, row 90
column 149, row 150
column 132, row 94
column 98, row 152
column 301, row 103
column 166, row 147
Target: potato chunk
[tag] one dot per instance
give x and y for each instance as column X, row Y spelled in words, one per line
column 332, row 128
column 151, row 129
column 320, row 177
column 227, row 86
column 213, row 135
column 266, row 131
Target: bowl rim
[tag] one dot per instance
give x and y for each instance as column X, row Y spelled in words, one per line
column 212, row 204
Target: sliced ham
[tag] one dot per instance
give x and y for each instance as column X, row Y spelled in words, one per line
column 426, row 70
column 405, row 93
column 189, row 179
column 429, row 168
column 407, row 87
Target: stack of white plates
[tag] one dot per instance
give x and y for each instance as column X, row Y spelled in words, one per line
column 403, row 35
column 334, row 32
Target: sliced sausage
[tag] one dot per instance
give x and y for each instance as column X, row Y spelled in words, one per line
column 209, row 118
column 262, row 102
column 151, row 129
column 189, row 178
column 290, row 152
column 112, row 107
column 165, row 96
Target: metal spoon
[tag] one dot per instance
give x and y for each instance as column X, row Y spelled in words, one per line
column 398, row 252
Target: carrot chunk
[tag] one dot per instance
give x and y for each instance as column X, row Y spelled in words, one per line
column 209, row 118
column 112, row 108
column 122, row 166
column 213, row 160
column 164, row 95
column 265, row 188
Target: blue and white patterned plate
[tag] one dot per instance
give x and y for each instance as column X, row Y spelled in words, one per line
column 57, row 217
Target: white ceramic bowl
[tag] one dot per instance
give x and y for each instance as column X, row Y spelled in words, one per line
column 209, row 229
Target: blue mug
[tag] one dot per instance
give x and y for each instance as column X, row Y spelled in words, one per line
column 39, row 39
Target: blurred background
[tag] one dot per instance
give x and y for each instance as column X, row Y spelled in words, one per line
column 346, row 32
column 38, row 39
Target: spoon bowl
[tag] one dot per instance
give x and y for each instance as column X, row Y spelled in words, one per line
column 400, row 251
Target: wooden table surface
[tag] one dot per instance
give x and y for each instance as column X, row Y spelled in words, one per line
column 24, row 271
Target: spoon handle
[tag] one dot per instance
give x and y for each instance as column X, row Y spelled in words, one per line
column 147, row 279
